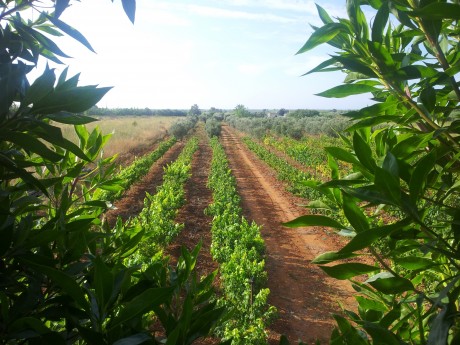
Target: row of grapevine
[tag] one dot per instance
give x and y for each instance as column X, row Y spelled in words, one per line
column 309, row 151
column 132, row 173
column 238, row 248
column 299, row 181
column 157, row 218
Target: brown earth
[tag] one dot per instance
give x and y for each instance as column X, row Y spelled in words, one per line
column 304, row 296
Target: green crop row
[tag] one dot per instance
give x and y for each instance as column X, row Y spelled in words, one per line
column 299, row 181
column 132, row 173
column 310, row 151
column 157, row 218
column 238, row 248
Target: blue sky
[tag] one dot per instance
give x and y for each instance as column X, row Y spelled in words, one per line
column 211, row 53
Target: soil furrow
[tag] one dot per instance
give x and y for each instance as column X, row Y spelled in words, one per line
column 132, row 201
column 304, row 296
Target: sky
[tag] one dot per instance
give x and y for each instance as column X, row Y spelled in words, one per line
column 210, row 53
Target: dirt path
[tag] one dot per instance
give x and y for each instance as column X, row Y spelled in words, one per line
column 304, row 296
column 133, row 201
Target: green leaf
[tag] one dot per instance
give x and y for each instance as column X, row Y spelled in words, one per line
column 42, row 86
column 380, row 22
column 68, row 283
column 328, row 257
column 113, row 185
column 322, row 35
column 130, row 9
column 71, row 119
column 414, row 263
column 321, row 67
column 441, row 326
column 392, row 285
column 369, row 193
column 347, row 90
column 342, row 155
column 313, row 220
column 409, row 146
column 54, row 136
column 419, row 176
column 366, row 238
column 354, row 214
column 30, row 144
column 373, row 121
column 383, row 56
column 141, row 304
column 355, row 64
column 428, row 98
column 381, row 335
column 388, row 185
column 70, row 31
column 363, row 152
column 438, row 10
column 74, row 100
column 103, row 284
column 349, row 270
column 11, row 167
column 323, row 15
column 366, row 303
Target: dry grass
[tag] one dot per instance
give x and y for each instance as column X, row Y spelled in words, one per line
column 131, row 134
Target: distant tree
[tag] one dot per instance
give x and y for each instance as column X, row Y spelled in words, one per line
column 282, row 112
column 194, row 110
column 242, row 111
column 301, row 113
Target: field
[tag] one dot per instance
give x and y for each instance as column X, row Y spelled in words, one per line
column 132, row 135
column 304, row 296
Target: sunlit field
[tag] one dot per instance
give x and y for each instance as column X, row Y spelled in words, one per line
column 130, row 133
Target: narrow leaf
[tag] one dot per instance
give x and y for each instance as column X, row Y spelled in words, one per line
column 141, row 304
column 438, row 10
column 130, row 9
column 313, row 220
column 347, row 90
column 328, row 257
column 392, row 285
column 75, row 34
column 349, row 270
column 380, row 22
column 322, row 35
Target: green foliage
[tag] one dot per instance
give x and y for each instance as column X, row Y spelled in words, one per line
column 213, row 127
column 299, row 181
column 194, row 110
column 327, row 123
column 181, row 128
column 238, row 247
column 301, row 113
column 241, row 111
column 65, row 277
column 404, row 153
